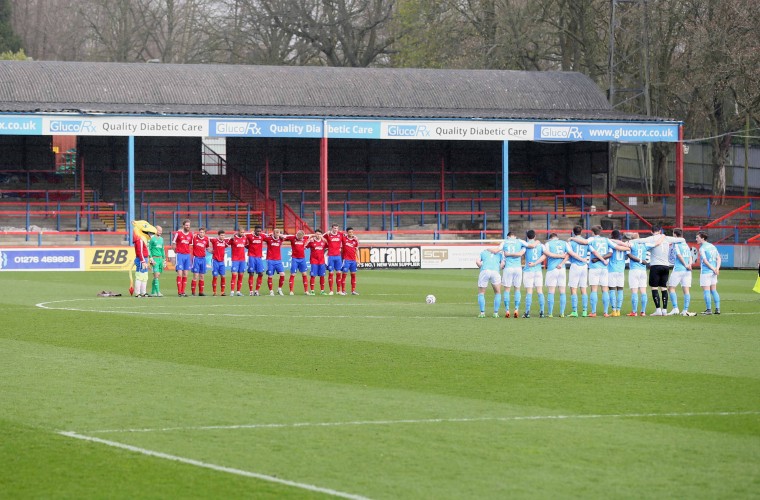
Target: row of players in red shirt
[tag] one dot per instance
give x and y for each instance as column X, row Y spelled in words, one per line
column 341, row 249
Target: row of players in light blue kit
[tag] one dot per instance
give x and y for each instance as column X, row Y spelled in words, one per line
column 597, row 262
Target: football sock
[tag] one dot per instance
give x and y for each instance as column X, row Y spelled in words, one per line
column 563, row 302
column 708, row 298
column 644, row 300
column 574, row 302
column 291, row 282
column 635, row 302
column 482, row 302
column 550, row 303
column 584, row 301
column 213, row 284
column 353, row 284
column 673, row 299
column 330, row 280
column 193, row 283
column 528, row 301
column 282, row 281
column 541, row 302
column 259, row 279
column 250, row 283
column 664, row 295
column 224, row 282
column 305, row 283
column 311, row 283
column 322, row 283
column 233, row 282
column 606, row 301
column 269, row 282
column 716, row 299
column 179, row 284
column 506, row 297
column 496, row 302
column 686, row 301
column 201, row 286
column 184, row 284
column 619, row 299
column 656, row 298
column 518, row 296
column 594, row 301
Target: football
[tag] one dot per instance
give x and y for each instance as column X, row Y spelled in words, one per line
column 430, row 299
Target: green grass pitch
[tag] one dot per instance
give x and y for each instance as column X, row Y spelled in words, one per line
column 373, row 396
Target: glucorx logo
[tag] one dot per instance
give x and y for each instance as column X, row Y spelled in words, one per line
column 408, row 131
column 72, row 126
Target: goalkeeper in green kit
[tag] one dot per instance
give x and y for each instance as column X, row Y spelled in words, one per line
column 157, row 259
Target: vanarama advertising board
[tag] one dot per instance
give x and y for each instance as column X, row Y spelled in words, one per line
column 389, row 257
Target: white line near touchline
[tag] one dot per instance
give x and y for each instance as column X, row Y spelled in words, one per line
column 516, row 418
column 218, row 468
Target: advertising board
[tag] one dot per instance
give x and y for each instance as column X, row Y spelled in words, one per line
column 40, row 259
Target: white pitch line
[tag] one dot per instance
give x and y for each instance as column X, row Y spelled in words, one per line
column 47, row 305
column 218, row 468
column 430, row 421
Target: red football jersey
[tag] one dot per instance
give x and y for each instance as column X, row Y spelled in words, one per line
column 219, row 245
column 255, row 245
column 298, row 246
column 238, row 244
column 274, row 247
column 182, row 242
column 334, row 243
column 349, row 248
column 317, row 251
column 141, row 248
column 200, row 244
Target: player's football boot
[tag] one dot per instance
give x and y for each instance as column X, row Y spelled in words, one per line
column 482, row 315
column 674, row 312
column 606, row 315
column 517, row 314
column 707, row 312
column 322, row 292
column 331, row 293
column 495, row 315
column 562, row 315
column 271, row 293
column 573, row 314
column 632, row 314
column 279, row 292
column 584, row 314
column 642, row 313
column 526, row 315
column 717, row 311
column 541, row 314
column 590, row 315
column 688, row 314
column 354, row 293
column 255, row 293
column 201, row 294
column 506, row 314
column 291, row 293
